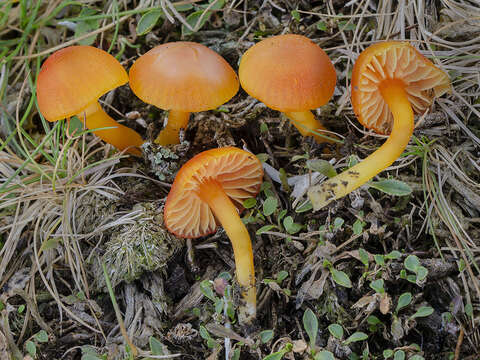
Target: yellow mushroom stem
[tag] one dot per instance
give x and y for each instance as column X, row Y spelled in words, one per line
column 307, row 124
column 120, row 136
column 170, row 134
column 394, row 94
column 226, row 213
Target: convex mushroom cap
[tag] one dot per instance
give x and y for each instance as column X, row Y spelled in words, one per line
column 209, row 190
column 182, row 77
column 70, row 82
column 390, row 81
column 291, row 74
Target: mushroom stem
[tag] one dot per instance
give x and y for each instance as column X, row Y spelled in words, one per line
column 120, row 136
column 306, row 123
column 169, row 135
column 226, row 213
column 395, row 96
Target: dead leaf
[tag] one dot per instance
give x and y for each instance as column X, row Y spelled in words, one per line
column 299, row 346
column 385, row 303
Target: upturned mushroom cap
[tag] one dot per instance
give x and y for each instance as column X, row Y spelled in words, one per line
column 183, row 76
column 240, row 174
column 74, row 77
column 393, row 60
column 288, row 73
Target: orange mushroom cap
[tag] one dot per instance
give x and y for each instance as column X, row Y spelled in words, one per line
column 183, row 76
column 74, row 77
column 288, row 73
column 393, row 60
column 240, row 174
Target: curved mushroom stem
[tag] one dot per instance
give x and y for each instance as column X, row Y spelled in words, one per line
column 120, row 136
column 226, row 213
column 169, row 135
column 306, row 123
column 394, row 94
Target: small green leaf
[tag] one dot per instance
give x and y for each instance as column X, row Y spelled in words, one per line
column 321, row 26
column 21, row 308
column 336, row 330
column 212, row 344
column 266, row 336
column 270, row 205
column 263, row 158
column 403, row 301
column 373, row 320
column 391, row 187
column 411, row 263
column 290, row 226
column 321, row 166
column 377, row 285
column 156, row 347
column 282, row 275
column 394, row 255
column 337, row 223
column 379, row 259
column 469, row 309
column 265, row 228
column 422, row 273
column 92, row 357
column 31, row 348
column 310, row 324
column 236, row 354
column 387, row 353
column 148, row 21
column 41, row 336
column 207, row 290
column 346, row 25
column 355, row 337
column 324, row 355
column 424, row 311
column 194, row 18
column 306, row 206
column 249, row 203
column 204, row 333
column 85, row 26
column 416, row 357
column 295, row 15
column 363, row 256
column 358, row 227
column 219, row 306
column 341, row 278
column 399, row 355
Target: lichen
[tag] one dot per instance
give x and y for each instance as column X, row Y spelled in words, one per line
column 144, row 245
column 165, row 161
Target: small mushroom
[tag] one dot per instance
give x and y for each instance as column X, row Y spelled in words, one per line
column 182, row 77
column 390, row 81
column 209, row 190
column 70, row 82
column 291, row 74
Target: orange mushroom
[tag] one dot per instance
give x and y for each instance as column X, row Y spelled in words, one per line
column 210, row 189
column 390, row 81
column 182, row 77
column 291, row 74
column 70, row 82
